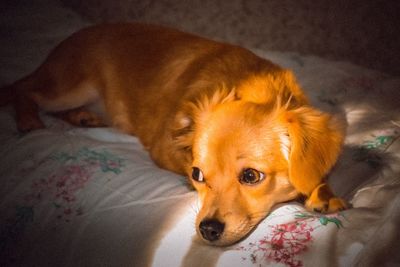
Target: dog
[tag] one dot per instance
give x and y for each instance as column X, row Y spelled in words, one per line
column 239, row 126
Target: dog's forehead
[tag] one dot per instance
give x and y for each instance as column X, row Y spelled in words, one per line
column 235, row 131
column 239, row 115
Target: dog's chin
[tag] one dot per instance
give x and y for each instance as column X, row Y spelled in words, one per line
column 222, row 242
column 226, row 240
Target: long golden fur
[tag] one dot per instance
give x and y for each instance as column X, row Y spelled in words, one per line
column 238, row 125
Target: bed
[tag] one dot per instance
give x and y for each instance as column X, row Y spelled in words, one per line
column 92, row 197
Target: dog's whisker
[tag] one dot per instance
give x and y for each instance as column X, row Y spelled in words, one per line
column 195, row 208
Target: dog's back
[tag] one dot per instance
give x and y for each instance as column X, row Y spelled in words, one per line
column 142, row 74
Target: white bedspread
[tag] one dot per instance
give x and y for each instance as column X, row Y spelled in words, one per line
column 92, row 197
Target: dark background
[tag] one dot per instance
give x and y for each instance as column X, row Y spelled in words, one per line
column 360, row 31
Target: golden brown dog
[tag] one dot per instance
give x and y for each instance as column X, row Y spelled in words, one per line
column 238, row 125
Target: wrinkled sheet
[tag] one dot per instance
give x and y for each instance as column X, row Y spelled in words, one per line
column 92, row 197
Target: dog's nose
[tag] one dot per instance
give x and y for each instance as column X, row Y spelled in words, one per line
column 211, row 229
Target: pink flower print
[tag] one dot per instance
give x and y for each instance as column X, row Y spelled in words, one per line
column 287, row 241
column 76, row 170
column 67, row 211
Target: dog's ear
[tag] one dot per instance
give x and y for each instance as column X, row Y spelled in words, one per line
column 194, row 113
column 315, row 141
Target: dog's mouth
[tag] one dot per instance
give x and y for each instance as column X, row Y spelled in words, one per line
column 218, row 233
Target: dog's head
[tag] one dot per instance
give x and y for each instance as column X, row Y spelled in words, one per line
column 251, row 148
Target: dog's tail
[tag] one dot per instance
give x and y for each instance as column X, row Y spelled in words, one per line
column 7, row 94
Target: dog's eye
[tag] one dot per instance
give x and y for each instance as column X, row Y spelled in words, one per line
column 197, row 175
column 251, row 176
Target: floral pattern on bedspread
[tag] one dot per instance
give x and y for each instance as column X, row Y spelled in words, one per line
column 60, row 189
column 381, row 139
column 284, row 243
column 378, row 142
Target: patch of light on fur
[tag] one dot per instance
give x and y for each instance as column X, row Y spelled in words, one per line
column 285, row 145
column 203, row 146
column 184, row 122
column 176, row 243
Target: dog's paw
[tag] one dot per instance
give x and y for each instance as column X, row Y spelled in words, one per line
column 25, row 125
column 323, row 200
column 88, row 119
column 81, row 117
